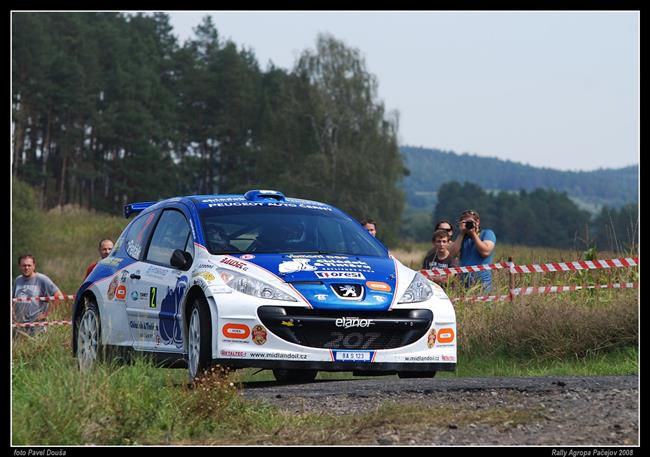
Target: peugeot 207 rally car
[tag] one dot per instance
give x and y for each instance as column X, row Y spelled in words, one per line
column 260, row 280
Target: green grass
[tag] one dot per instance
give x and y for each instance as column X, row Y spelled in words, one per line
column 137, row 403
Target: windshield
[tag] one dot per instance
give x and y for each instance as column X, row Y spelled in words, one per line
column 272, row 229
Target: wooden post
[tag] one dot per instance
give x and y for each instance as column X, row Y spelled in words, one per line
column 511, row 279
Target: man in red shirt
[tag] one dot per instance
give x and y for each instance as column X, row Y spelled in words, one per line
column 105, row 248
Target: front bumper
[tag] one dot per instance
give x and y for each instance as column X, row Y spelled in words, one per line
column 336, row 366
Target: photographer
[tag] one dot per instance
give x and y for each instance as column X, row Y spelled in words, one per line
column 475, row 247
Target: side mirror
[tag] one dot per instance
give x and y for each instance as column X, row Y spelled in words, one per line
column 181, row 260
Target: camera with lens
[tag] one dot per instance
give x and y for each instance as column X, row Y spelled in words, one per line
column 469, row 225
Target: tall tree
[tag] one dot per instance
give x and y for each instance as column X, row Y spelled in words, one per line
column 358, row 160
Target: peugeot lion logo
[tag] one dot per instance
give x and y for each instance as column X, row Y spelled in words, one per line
column 348, row 291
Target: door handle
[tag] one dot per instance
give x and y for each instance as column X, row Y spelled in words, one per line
column 135, row 276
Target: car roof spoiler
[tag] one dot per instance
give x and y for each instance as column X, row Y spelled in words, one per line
column 135, row 208
column 257, row 194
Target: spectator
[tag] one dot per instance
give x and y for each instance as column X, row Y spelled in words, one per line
column 439, row 256
column 30, row 285
column 370, row 225
column 444, row 224
column 475, row 247
column 105, row 248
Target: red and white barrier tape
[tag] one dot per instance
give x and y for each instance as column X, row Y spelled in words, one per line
column 41, row 323
column 578, row 265
column 545, row 290
column 487, row 298
column 537, row 268
column 28, row 299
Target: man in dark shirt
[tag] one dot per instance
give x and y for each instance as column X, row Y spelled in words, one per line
column 439, row 256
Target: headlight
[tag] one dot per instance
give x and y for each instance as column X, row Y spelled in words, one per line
column 250, row 286
column 418, row 291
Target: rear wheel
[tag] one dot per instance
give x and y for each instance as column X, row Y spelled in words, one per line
column 283, row 375
column 416, row 374
column 89, row 344
column 199, row 339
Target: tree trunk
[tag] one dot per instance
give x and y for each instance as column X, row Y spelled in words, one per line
column 64, row 168
column 45, row 153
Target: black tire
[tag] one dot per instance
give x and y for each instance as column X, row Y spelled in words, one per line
column 283, row 375
column 90, row 349
column 199, row 338
column 416, row 374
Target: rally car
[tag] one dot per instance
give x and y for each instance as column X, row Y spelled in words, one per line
column 261, row 280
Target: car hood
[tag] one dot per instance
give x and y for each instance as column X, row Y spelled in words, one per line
column 329, row 281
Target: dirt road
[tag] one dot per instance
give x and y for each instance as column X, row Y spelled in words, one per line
column 477, row 411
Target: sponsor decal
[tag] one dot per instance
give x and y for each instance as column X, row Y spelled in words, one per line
column 236, row 331
column 203, row 266
column 351, row 322
column 144, row 325
column 380, row 298
column 153, row 291
column 134, row 296
column 259, row 335
column 320, row 297
column 110, row 294
column 225, row 204
column 225, row 353
column 311, row 262
column 448, row 358
column 431, row 339
column 353, row 356
column 422, row 358
column 207, row 276
column 157, row 271
column 133, row 248
column 223, row 199
column 446, row 335
column 247, row 257
column 291, row 266
column 277, row 355
column 380, row 286
column 171, row 331
column 340, row 275
column 120, row 292
column 234, row 263
column 288, row 323
column 111, row 261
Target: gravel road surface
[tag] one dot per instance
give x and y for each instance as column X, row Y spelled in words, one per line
column 566, row 411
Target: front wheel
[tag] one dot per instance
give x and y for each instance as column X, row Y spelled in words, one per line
column 89, row 344
column 283, row 375
column 199, row 339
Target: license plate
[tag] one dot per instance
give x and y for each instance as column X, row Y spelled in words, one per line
column 352, row 356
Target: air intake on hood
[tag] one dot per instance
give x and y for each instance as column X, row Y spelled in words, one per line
column 257, row 195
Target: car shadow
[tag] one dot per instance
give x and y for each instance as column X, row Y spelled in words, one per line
column 262, row 384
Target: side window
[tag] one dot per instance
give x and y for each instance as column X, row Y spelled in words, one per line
column 172, row 232
column 136, row 239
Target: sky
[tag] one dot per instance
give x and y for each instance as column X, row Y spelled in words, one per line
column 549, row 89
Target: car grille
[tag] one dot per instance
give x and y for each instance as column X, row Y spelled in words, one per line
column 358, row 330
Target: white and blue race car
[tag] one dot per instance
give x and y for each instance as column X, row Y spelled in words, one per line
column 261, row 280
